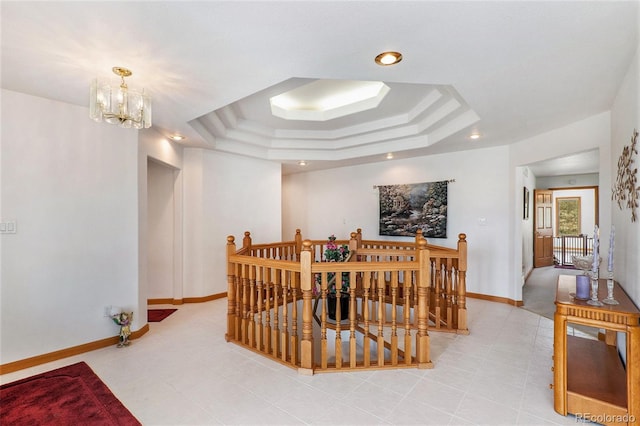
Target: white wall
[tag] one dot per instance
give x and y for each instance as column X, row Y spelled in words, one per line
column 525, row 178
column 625, row 117
column 567, row 181
column 339, row 201
column 70, row 184
column 225, row 194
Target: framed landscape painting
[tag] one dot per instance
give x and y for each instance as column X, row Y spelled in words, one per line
column 406, row 208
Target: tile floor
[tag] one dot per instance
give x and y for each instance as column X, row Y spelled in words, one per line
column 182, row 372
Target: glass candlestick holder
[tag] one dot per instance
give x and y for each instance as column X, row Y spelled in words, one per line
column 610, row 299
column 594, row 291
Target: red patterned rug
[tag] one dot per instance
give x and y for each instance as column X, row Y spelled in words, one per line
column 71, row 395
column 157, row 315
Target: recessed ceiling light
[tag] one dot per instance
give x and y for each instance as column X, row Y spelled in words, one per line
column 176, row 137
column 388, row 58
column 389, row 156
column 302, row 163
column 474, row 136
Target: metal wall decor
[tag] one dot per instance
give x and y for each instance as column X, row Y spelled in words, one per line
column 625, row 192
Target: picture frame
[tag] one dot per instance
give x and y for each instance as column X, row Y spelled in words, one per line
column 525, row 204
column 405, row 208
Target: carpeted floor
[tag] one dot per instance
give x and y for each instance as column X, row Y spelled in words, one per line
column 539, row 291
column 157, row 315
column 71, row 395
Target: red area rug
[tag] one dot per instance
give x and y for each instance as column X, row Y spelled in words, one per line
column 157, row 315
column 71, row 395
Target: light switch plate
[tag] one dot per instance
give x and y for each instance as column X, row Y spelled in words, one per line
column 8, row 227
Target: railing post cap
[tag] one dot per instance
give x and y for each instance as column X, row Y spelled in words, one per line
column 298, row 231
column 462, row 236
column 353, row 235
column 306, row 245
column 422, row 244
column 247, row 233
column 230, row 239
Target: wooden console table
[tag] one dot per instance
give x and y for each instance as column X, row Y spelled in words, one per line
column 589, row 378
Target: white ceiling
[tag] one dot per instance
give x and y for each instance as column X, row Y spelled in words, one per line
column 516, row 69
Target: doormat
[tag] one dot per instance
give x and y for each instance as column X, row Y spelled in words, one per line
column 71, row 395
column 157, row 315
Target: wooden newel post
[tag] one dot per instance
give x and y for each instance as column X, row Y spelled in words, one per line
column 353, row 242
column 306, row 282
column 359, row 237
column 419, row 236
column 424, row 278
column 298, row 240
column 462, row 285
column 231, row 290
column 246, row 241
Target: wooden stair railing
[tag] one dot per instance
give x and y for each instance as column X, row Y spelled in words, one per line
column 398, row 292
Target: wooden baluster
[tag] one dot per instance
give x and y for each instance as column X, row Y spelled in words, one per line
column 381, row 307
column 231, row 290
column 438, row 297
column 275, row 341
column 252, row 306
column 462, row 284
column 306, row 285
column 338, row 339
column 284, row 330
column 237, row 330
column 259, row 291
column 449, row 294
column 422, row 337
column 366, row 341
column 293, row 347
column 352, row 319
column 454, row 293
column 245, row 303
column 394, row 333
column 267, row 310
column 324, row 356
column 407, row 286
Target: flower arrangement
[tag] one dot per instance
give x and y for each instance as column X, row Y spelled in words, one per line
column 335, row 253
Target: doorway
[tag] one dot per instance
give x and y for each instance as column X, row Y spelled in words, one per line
column 563, row 220
column 164, row 267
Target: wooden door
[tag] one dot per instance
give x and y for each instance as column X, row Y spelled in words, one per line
column 543, row 228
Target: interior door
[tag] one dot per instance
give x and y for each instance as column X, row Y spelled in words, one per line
column 543, row 228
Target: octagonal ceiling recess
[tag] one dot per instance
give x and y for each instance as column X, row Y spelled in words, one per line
column 407, row 117
column 324, row 100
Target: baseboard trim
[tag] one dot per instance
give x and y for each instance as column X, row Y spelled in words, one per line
column 202, row 299
column 518, row 303
column 10, row 367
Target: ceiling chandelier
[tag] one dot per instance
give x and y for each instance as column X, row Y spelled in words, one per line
column 118, row 104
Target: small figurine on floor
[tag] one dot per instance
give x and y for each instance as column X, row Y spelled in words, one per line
column 123, row 319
